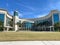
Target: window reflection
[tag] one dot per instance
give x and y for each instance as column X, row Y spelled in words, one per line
column 56, row 17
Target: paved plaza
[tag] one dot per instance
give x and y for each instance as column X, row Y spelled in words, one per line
column 30, row 43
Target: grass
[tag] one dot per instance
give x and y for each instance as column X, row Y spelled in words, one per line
column 29, row 36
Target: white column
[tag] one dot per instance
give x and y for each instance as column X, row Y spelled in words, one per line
column 53, row 28
column 15, row 20
column 7, row 28
column 52, row 19
column 50, row 28
column 16, row 27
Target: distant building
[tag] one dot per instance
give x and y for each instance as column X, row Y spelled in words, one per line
column 15, row 23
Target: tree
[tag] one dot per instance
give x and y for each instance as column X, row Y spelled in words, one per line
column 57, row 26
column 1, row 25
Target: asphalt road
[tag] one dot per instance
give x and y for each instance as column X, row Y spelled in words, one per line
column 30, row 43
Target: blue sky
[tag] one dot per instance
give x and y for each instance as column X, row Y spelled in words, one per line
column 30, row 8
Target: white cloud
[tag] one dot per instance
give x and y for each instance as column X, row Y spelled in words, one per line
column 55, row 5
column 7, row 4
column 20, row 15
column 11, row 12
column 42, row 15
column 29, row 7
column 27, row 13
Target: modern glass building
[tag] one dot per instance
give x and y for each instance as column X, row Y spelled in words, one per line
column 15, row 23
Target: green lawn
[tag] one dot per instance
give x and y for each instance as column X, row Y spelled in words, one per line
column 27, row 35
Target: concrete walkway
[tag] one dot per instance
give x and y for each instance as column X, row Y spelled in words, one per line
column 31, row 43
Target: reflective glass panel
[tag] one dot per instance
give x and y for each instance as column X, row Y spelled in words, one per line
column 56, row 17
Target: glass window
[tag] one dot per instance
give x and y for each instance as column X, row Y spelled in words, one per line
column 56, row 17
column 8, row 21
column 27, row 25
column 2, row 17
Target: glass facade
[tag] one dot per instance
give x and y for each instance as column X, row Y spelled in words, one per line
column 27, row 25
column 39, row 24
column 56, row 17
column 1, row 21
column 15, row 13
column 2, row 17
column 8, row 21
column 45, row 23
column 48, row 21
